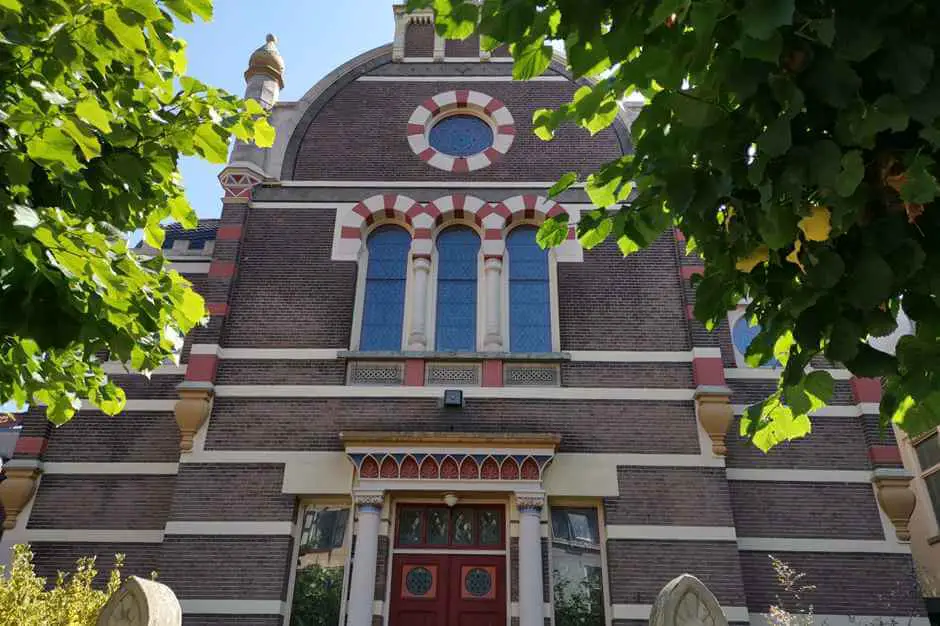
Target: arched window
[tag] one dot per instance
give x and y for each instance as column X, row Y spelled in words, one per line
column 530, row 317
column 384, row 306
column 458, row 249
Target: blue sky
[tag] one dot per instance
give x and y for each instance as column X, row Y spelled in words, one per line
column 314, row 36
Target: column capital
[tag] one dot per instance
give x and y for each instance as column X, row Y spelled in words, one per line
column 530, row 502
column 367, row 500
column 493, row 262
column 421, row 262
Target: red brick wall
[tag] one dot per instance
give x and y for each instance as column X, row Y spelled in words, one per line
column 825, row 510
column 290, row 295
column 315, row 423
column 231, row 492
column 671, row 496
column 640, row 569
column 132, row 436
column 611, row 303
column 121, row 502
column 846, row 584
column 419, row 40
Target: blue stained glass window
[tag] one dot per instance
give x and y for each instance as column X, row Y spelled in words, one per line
column 384, row 306
column 742, row 334
column 461, row 135
column 458, row 250
column 530, row 318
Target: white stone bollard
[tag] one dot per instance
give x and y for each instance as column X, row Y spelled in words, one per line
column 686, row 601
column 141, row 602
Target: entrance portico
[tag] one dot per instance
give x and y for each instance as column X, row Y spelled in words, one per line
column 454, row 501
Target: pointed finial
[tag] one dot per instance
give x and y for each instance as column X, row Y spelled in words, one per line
column 267, row 60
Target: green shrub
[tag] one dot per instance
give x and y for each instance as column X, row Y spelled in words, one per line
column 25, row 600
column 318, row 592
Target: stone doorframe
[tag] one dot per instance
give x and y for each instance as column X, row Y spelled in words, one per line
column 507, row 463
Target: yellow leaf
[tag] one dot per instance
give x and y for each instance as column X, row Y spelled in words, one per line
column 816, row 227
column 794, row 257
column 748, row 263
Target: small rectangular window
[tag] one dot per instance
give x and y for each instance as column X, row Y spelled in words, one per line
column 577, row 571
column 319, row 580
column 575, row 525
column 928, row 452
column 324, row 529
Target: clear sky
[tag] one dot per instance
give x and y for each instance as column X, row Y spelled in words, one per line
column 314, row 37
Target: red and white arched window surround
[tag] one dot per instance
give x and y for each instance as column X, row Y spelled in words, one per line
column 470, row 296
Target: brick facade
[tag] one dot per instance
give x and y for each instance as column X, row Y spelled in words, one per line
column 276, row 350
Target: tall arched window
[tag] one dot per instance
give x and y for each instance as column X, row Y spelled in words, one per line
column 384, row 306
column 458, row 250
column 530, row 318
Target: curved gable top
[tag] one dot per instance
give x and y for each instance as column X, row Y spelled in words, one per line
column 353, row 124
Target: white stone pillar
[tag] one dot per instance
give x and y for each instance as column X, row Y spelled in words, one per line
column 401, row 23
column 420, row 271
column 493, row 272
column 531, row 598
column 362, row 583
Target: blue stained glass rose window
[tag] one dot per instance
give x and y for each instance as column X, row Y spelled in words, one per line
column 461, row 135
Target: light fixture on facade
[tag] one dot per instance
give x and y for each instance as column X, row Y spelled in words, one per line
column 453, row 398
column 451, row 499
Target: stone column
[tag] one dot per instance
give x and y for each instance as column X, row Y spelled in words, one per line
column 401, row 24
column 362, row 583
column 493, row 271
column 421, row 269
column 531, row 598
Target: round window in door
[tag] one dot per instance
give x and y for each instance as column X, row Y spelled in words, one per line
column 419, row 582
column 478, row 582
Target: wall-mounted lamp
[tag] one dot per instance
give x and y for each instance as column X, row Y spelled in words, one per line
column 453, row 398
column 451, row 499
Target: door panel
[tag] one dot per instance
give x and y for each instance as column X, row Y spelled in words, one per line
column 455, row 589
column 477, row 594
column 419, row 590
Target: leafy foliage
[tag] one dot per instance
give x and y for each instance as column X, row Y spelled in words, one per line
column 317, row 594
column 794, row 143
column 95, row 111
column 73, row 601
column 577, row 603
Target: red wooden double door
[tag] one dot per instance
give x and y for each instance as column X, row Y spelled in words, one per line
column 449, row 567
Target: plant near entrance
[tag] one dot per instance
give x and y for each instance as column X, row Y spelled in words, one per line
column 317, row 596
column 793, row 142
column 73, row 601
column 95, row 112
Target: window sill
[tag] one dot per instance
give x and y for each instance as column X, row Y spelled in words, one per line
column 541, row 357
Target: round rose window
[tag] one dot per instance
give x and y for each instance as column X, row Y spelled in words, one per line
column 461, row 135
column 461, row 131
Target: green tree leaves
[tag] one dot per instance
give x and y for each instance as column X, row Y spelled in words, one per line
column 93, row 126
column 795, row 144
